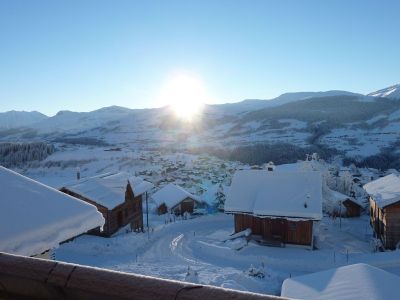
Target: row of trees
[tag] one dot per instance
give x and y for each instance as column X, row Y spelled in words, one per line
column 18, row 154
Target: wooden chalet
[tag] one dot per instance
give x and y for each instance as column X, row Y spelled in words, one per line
column 353, row 208
column 279, row 207
column 343, row 205
column 384, row 201
column 118, row 196
column 172, row 198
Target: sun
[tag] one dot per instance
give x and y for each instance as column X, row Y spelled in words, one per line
column 185, row 94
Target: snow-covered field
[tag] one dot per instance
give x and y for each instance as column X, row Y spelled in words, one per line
column 198, row 245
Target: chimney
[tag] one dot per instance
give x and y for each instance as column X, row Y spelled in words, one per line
column 78, row 173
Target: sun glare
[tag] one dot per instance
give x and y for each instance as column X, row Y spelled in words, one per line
column 185, row 94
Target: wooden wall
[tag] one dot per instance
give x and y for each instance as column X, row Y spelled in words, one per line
column 386, row 223
column 392, row 225
column 162, row 209
column 129, row 212
column 278, row 229
column 186, row 205
column 352, row 209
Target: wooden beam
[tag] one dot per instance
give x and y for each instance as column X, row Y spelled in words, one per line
column 32, row 278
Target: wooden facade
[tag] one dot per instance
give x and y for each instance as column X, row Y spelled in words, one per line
column 186, row 205
column 162, row 209
column 128, row 212
column 386, row 223
column 352, row 209
column 277, row 229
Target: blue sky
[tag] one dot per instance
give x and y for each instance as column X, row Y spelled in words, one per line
column 83, row 55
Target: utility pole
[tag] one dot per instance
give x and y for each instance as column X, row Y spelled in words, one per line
column 340, row 214
column 147, row 216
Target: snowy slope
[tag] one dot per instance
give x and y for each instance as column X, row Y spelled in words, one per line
column 14, row 119
column 35, row 218
column 391, row 92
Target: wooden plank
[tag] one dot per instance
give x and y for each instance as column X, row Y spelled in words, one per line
column 31, row 278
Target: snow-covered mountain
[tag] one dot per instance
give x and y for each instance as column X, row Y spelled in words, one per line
column 391, row 92
column 254, row 104
column 352, row 124
column 15, row 119
column 66, row 121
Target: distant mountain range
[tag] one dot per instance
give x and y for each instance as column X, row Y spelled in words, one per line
column 355, row 125
column 14, row 119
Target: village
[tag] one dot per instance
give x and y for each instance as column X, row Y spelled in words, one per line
column 199, row 219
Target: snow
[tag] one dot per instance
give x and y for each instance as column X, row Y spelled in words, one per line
column 202, row 244
column 171, row 195
column 385, row 190
column 280, row 194
column 359, row 281
column 35, row 218
column 391, row 92
column 394, row 115
column 109, row 189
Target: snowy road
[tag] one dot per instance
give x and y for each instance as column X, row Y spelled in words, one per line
column 197, row 243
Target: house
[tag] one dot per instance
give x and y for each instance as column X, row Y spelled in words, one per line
column 35, row 218
column 281, row 207
column 358, row 281
column 118, row 196
column 173, row 198
column 384, row 201
column 338, row 204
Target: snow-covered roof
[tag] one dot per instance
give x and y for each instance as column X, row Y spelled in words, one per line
column 109, row 189
column 360, row 281
column 171, row 195
column 280, row 194
column 336, row 197
column 384, row 190
column 35, row 217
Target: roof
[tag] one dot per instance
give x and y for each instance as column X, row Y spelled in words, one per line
column 365, row 281
column 385, row 190
column 336, row 197
column 171, row 195
column 35, row 217
column 109, row 189
column 271, row 193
